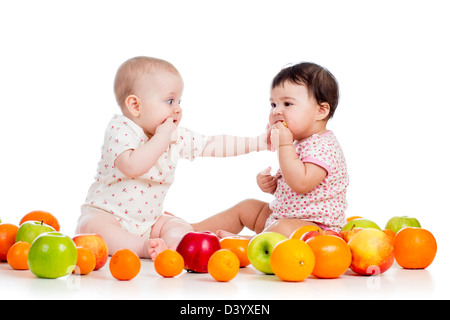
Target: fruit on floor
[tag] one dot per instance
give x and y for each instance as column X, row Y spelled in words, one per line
column 237, row 245
column 30, row 230
column 349, row 233
column 390, row 234
column 169, row 263
column 17, row 256
column 8, row 233
column 414, row 248
column 52, row 255
column 96, row 244
column 292, row 260
column 372, row 252
column 85, row 262
column 42, row 216
column 260, row 249
column 124, row 265
column 223, row 265
column 398, row 222
column 196, row 248
column 333, row 256
column 360, row 223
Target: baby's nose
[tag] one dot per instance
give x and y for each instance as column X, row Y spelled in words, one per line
column 277, row 110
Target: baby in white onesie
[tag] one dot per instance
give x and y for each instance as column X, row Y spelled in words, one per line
column 139, row 157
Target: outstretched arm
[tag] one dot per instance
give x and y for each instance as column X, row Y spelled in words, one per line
column 230, row 146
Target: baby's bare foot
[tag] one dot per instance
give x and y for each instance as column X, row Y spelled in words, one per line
column 155, row 247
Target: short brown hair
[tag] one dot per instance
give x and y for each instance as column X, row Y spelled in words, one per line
column 131, row 71
column 319, row 81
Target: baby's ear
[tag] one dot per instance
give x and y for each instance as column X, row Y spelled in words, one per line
column 323, row 111
column 132, row 104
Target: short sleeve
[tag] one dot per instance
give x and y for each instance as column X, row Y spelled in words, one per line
column 121, row 135
column 191, row 144
column 317, row 150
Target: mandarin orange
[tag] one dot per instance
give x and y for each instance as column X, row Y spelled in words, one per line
column 169, row 263
column 42, row 216
column 223, row 265
column 124, row 264
column 333, row 256
column 292, row 260
column 17, row 256
column 414, row 248
column 7, row 238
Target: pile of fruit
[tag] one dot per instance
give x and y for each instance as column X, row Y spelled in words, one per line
column 361, row 245
column 37, row 245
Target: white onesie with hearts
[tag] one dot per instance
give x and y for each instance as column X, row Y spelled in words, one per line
column 137, row 202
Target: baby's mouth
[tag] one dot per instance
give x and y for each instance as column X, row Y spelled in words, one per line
column 282, row 121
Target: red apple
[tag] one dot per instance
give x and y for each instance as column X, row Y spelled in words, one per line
column 196, row 248
column 96, row 244
column 311, row 234
column 348, row 234
column 372, row 252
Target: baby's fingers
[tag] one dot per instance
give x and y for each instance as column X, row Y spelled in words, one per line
column 169, row 120
column 266, row 171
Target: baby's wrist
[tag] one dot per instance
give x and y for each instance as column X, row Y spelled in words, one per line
column 261, row 142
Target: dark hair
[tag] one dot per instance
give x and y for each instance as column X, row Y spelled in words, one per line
column 319, row 81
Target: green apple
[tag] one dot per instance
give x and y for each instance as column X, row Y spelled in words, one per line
column 52, row 255
column 29, row 230
column 360, row 223
column 260, row 248
column 397, row 223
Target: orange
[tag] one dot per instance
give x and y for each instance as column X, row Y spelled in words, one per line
column 292, row 260
column 17, row 256
column 390, row 234
column 85, row 262
column 124, row 264
column 169, row 263
column 353, row 218
column 297, row 234
column 414, row 248
column 7, row 238
column 223, row 265
column 333, row 256
column 237, row 245
column 42, row 216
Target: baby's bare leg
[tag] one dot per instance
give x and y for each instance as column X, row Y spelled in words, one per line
column 167, row 233
column 250, row 213
column 112, row 232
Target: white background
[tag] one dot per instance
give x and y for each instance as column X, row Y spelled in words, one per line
column 58, row 60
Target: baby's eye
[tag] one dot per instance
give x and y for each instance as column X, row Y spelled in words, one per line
column 273, row 105
column 179, row 102
column 287, row 104
column 170, row 101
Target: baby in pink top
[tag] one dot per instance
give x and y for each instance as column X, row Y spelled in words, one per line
column 326, row 203
column 310, row 186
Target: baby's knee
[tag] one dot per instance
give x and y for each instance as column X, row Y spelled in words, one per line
column 252, row 203
column 174, row 230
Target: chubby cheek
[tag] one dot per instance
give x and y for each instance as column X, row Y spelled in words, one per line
column 271, row 118
column 151, row 126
